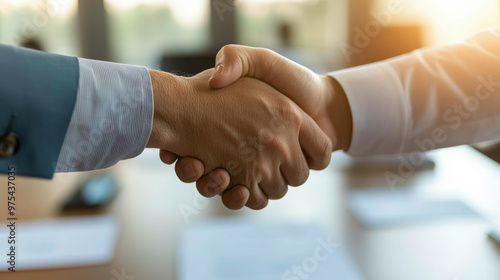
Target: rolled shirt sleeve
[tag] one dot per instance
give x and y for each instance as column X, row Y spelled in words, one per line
column 431, row 98
column 112, row 119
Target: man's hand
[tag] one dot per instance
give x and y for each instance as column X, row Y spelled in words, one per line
column 263, row 139
column 321, row 97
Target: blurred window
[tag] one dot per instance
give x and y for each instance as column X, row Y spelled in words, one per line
column 52, row 24
column 260, row 22
column 143, row 30
column 306, row 31
column 444, row 20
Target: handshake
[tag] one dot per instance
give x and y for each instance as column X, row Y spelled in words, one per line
column 249, row 128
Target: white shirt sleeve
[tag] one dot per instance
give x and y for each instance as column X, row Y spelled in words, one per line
column 431, row 98
column 112, row 119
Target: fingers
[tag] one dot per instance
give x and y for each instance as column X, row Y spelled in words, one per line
column 258, row 199
column 275, row 184
column 316, row 145
column 189, row 169
column 296, row 171
column 276, row 191
column 167, row 157
column 214, row 183
column 291, row 79
column 236, row 198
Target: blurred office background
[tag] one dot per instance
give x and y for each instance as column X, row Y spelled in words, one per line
column 153, row 208
column 312, row 32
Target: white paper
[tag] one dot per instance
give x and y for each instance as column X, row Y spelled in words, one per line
column 57, row 243
column 374, row 208
column 231, row 249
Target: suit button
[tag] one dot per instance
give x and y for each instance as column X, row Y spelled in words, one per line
column 9, row 144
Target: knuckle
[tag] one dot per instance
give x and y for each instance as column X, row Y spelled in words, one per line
column 265, row 53
column 302, row 177
column 228, row 48
column 289, row 113
column 279, row 191
column 321, row 159
column 325, row 155
column 268, row 59
column 277, row 146
column 296, row 170
column 257, row 203
column 327, row 152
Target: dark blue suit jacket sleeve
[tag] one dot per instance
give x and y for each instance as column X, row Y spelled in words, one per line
column 37, row 97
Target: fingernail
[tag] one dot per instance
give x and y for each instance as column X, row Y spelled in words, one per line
column 218, row 71
column 188, row 170
column 236, row 195
column 212, row 187
column 216, row 178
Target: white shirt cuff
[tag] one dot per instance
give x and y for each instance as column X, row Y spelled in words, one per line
column 112, row 119
column 381, row 114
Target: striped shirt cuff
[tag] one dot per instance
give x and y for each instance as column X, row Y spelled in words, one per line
column 112, row 119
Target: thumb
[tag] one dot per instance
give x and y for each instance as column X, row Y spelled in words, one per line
column 228, row 67
column 295, row 81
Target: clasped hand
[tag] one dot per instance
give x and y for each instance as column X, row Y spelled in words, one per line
column 238, row 131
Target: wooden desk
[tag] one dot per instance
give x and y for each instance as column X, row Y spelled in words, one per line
column 150, row 204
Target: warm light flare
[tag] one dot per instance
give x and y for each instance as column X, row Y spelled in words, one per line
column 446, row 20
column 456, row 9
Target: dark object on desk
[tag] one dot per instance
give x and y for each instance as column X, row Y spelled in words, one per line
column 94, row 193
column 491, row 150
column 187, row 65
column 392, row 163
column 32, row 43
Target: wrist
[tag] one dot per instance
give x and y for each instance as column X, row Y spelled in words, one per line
column 340, row 115
column 165, row 86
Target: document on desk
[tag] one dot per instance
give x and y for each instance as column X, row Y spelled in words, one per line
column 60, row 243
column 385, row 207
column 234, row 249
